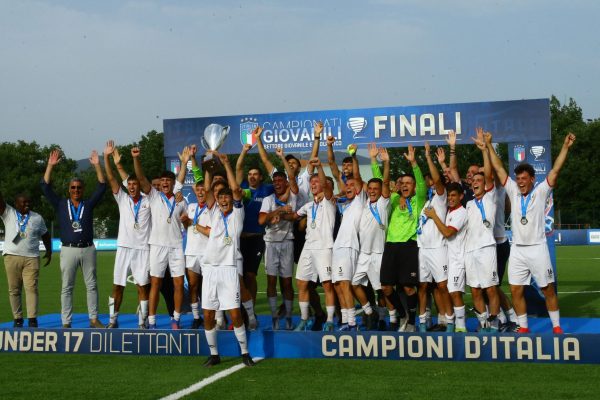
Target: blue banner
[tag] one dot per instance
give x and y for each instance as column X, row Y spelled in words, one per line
column 545, row 348
column 510, row 121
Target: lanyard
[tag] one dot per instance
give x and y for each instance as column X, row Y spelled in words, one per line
column 315, row 207
column 170, row 206
column 136, row 208
column 75, row 213
column 198, row 214
column 225, row 218
column 409, row 206
column 375, row 213
column 525, row 203
column 279, row 202
column 342, row 208
column 481, row 207
column 22, row 221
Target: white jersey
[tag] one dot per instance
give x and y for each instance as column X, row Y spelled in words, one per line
column 371, row 235
column 319, row 228
column 29, row 246
column 457, row 220
column 129, row 236
column 499, row 227
column 430, row 236
column 220, row 253
column 284, row 229
column 479, row 235
column 351, row 215
column 534, row 231
column 196, row 242
column 164, row 233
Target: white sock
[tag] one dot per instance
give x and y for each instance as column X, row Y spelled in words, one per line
column 304, row 305
column 512, row 315
column 152, row 319
column 249, row 306
column 344, row 315
column 423, row 318
column 382, row 313
column 351, row 316
column 176, row 315
column 195, row 310
column 273, row 305
column 555, row 318
column 427, row 314
column 442, row 319
column 288, row 308
column 330, row 313
column 368, row 310
column 393, row 316
column 220, row 316
column 143, row 311
column 502, row 317
column 449, row 319
column 459, row 312
column 522, row 321
column 211, row 339
column 482, row 318
column 111, row 308
column 240, row 334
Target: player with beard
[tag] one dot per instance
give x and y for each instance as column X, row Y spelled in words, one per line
column 277, row 214
column 221, row 283
column 529, row 255
column 166, row 240
column 132, row 241
column 400, row 261
column 347, row 245
column 480, row 244
column 315, row 260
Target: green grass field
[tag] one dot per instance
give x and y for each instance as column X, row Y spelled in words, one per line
column 84, row 376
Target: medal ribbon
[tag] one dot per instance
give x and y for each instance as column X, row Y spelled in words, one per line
column 136, row 208
column 479, row 204
column 198, row 214
column 75, row 213
column 170, row 206
column 314, row 211
column 22, row 221
column 225, row 218
column 525, row 203
column 375, row 213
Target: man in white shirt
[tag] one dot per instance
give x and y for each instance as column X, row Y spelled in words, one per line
column 277, row 214
column 23, row 230
column 315, row 260
column 166, row 240
column 433, row 253
column 221, row 279
column 372, row 228
column 480, row 244
column 529, row 255
column 132, row 240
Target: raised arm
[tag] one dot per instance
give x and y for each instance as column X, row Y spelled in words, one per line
column 264, row 157
column 108, row 150
column 355, row 167
column 373, row 153
column 487, row 168
column 335, row 171
column 233, row 184
column 288, row 170
column 385, row 157
column 139, row 172
column 494, row 159
column 327, row 191
column 451, row 140
column 318, row 130
column 95, row 161
column 53, row 159
column 196, row 171
column 560, row 160
column 184, row 157
column 117, row 159
column 239, row 165
column 435, row 174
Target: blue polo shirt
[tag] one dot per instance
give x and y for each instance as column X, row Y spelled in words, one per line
column 252, row 206
column 61, row 206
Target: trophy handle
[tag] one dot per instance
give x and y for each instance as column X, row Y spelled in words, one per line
column 226, row 129
column 204, row 144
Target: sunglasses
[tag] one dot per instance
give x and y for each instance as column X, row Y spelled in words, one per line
column 77, row 187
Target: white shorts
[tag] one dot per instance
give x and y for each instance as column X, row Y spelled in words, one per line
column 343, row 264
column 456, row 277
column 526, row 262
column 279, row 258
column 193, row 264
column 481, row 267
column 162, row 257
column 433, row 264
column 220, row 288
column 134, row 260
column 314, row 264
column 368, row 267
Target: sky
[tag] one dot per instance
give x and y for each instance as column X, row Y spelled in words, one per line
column 77, row 73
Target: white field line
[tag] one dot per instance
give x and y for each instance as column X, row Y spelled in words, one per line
column 206, row 381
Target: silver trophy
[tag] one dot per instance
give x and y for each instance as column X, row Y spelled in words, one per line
column 213, row 138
